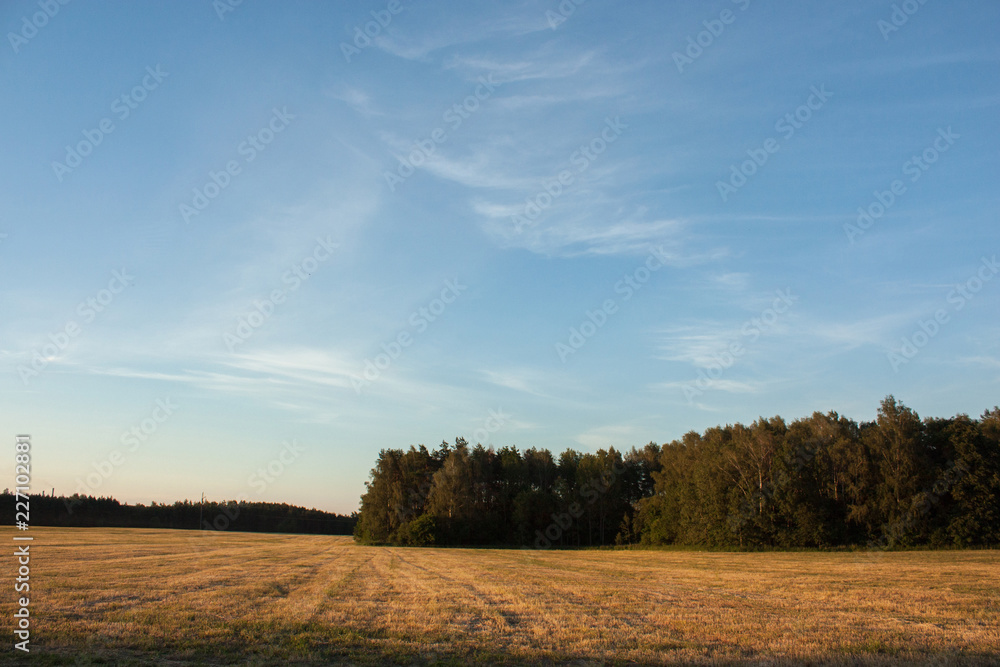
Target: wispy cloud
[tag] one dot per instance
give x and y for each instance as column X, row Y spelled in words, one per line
column 420, row 44
column 982, row 361
column 887, row 65
column 358, row 100
column 627, row 237
column 733, row 281
column 523, row 380
column 697, row 344
column 722, row 384
column 302, row 365
column 479, row 169
column 878, row 330
column 544, row 67
column 619, row 436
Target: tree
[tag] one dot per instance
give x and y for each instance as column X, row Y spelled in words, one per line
column 452, row 497
column 897, row 449
column 823, row 480
column 384, row 496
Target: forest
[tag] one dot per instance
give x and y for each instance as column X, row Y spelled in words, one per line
column 823, row 481
column 254, row 517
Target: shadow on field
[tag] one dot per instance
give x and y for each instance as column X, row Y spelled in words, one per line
column 369, row 655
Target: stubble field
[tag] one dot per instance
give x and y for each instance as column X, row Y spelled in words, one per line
column 143, row 596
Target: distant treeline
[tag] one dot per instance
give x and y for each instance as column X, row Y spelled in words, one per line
column 821, row 481
column 80, row 511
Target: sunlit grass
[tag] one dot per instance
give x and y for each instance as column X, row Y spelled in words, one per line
column 118, row 594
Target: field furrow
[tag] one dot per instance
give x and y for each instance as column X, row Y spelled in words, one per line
column 119, row 595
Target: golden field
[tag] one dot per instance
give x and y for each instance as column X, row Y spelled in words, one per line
column 176, row 597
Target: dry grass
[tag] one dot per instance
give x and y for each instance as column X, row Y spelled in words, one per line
column 151, row 596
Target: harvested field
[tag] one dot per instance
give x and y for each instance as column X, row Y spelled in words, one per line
column 200, row 597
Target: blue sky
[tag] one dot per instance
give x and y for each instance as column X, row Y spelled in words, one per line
column 561, row 226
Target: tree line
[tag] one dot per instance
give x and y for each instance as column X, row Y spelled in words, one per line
column 822, row 481
column 254, row 517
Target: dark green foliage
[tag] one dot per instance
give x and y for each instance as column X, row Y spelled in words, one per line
column 421, row 532
column 820, row 481
column 253, row 517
